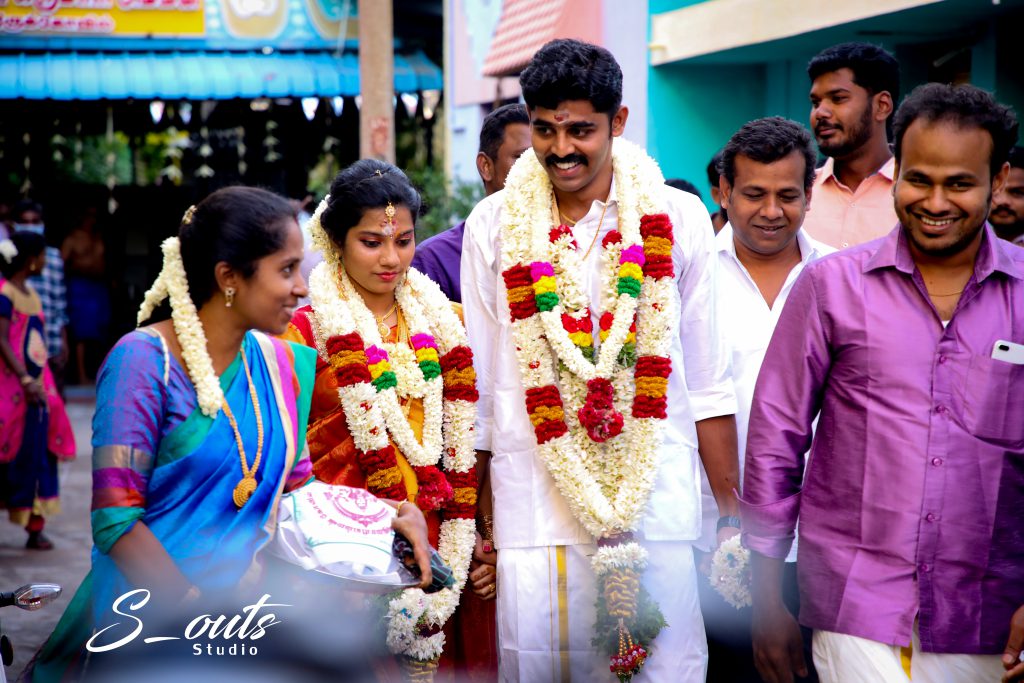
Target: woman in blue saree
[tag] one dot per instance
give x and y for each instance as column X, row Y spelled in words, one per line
column 200, row 426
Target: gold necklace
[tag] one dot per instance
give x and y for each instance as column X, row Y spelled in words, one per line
column 597, row 232
column 930, row 293
column 568, row 220
column 247, row 485
column 382, row 325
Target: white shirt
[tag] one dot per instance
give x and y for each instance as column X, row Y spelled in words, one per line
column 747, row 324
column 529, row 511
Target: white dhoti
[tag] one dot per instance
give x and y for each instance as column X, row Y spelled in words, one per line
column 546, row 616
column 841, row 658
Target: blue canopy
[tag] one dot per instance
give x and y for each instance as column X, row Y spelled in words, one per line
column 198, row 75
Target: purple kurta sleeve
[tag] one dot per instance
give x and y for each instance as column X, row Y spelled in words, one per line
column 787, row 397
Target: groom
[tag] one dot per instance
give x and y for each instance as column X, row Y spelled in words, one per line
column 547, row 518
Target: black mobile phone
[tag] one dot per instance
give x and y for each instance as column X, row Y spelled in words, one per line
column 441, row 572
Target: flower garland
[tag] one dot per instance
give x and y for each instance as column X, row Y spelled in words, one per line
column 173, row 283
column 8, row 250
column 369, row 381
column 598, row 425
column 730, row 572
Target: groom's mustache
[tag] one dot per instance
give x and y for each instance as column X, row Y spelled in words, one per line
column 553, row 159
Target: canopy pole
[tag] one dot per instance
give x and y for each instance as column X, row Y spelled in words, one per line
column 377, row 80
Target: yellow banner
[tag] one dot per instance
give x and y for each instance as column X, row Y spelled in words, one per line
column 94, row 18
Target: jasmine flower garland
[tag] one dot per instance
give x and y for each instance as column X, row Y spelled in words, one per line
column 173, row 283
column 438, row 369
column 730, row 572
column 597, row 416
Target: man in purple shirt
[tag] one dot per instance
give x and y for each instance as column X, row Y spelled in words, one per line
column 912, row 507
column 504, row 136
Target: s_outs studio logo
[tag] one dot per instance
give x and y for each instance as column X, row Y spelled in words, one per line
column 209, row 635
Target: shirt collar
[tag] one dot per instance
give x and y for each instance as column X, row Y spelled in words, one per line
column 612, row 200
column 724, row 242
column 993, row 255
column 828, row 170
column 888, row 169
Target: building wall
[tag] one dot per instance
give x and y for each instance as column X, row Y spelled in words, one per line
column 472, row 25
column 625, row 36
column 694, row 109
column 696, row 105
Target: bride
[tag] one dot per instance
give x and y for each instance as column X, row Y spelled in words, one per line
column 395, row 397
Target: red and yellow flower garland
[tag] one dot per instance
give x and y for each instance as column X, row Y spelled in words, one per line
column 604, row 474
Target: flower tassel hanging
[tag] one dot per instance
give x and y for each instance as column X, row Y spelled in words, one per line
column 627, row 617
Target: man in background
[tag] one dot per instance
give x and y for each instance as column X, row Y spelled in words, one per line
column 767, row 171
column 1007, row 215
column 504, row 136
column 685, row 186
column 85, row 265
column 854, row 88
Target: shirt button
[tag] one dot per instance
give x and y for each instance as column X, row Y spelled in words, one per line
column 926, row 567
column 941, row 410
column 930, row 517
column 937, row 462
column 845, row 245
column 942, row 360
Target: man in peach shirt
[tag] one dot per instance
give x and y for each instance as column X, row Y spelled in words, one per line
column 853, row 90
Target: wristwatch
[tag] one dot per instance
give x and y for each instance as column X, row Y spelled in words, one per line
column 729, row 520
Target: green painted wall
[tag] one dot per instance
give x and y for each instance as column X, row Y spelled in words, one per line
column 694, row 109
column 694, row 106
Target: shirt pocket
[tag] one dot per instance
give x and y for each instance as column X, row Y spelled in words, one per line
column 994, row 401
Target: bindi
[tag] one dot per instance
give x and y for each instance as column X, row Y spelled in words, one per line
column 561, row 116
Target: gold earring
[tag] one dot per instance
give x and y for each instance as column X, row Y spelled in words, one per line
column 229, row 296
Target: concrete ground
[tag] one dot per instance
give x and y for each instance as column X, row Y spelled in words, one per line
column 68, row 563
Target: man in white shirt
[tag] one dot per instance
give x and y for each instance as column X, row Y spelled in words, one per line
column 767, row 172
column 551, row 265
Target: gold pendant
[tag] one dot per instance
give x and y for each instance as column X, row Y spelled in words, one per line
column 384, row 330
column 243, row 491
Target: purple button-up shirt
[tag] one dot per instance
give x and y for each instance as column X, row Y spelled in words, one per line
column 913, row 500
column 439, row 258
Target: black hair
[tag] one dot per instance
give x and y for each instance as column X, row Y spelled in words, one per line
column 965, row 105
column 366, row 184
column 492, row 133
column 1016, row 157
column 29, row 246
column 767, row 140
column 685, row 186
column 237, row 225
column 568, row 69
column 26, row 205
column 873, row 67
column 712, row 169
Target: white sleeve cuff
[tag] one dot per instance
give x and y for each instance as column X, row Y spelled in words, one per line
column 483, row 429
column 713, row 401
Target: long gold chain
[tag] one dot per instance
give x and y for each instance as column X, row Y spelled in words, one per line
column 597, row 233
column 247, row 485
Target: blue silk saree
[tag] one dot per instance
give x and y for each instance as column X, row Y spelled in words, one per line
column 158, row 459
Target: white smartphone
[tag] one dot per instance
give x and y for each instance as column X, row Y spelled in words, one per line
column 1009, row 352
